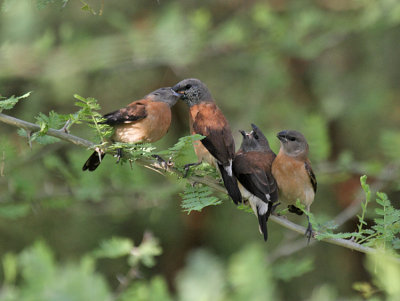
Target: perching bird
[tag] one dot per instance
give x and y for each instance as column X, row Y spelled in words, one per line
column 293, row 173
column 207, row 120
column 145, row 120
column 252, row 167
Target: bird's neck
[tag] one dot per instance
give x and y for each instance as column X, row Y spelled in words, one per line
column 298, row 155
column 199, row 102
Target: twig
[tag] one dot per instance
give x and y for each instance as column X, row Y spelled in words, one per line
column 51, row 132
column 124, row 281
column 204, row 180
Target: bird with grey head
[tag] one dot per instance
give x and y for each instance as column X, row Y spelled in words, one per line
column 252, row 168
column 255, row 140
column 205, row 118
column 293, row 173
column 144, row 120
column 193, row 91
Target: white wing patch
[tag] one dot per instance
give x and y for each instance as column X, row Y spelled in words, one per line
column 228, row 169
column 262, row 207
column 256, row 204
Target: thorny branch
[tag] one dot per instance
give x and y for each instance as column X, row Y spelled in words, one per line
column 164, row 169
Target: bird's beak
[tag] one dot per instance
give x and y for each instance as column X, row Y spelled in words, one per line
column 176, row 93
column 254, row 127
column 282, row 136
column 178, row 89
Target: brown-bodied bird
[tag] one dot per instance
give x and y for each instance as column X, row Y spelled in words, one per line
column 293, row 173
column 207, row 120
column 144, row 120
column 252, row 167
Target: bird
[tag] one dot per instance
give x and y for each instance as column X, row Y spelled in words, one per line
column 205, row 118
column 144, row 120
column 293, row 173
column 252, row 167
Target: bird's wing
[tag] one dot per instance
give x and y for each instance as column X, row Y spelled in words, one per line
column 133, row 112
column 211, row 123
column 257, row 181
column 311, row 175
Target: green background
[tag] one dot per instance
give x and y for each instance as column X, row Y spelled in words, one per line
column 329, row 69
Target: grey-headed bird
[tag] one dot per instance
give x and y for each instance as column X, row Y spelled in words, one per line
column 144, row 120
column 206, row 119
column 293, row 173
column 252, row 167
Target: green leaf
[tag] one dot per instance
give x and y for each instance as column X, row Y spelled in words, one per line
column 37, row 265
column 292, row 268
column 249, row 275
column 203, row 278
column 379, row 211
column 114, row 248
column 246, row 208
column 145, row 252
column 134, row 151
column 9, row 103
column 86, row 7
column 156, row 289
column 386, row 272
column 365, row 288
column 83, row 99
column 325, row 235
column 182, row 150
column 396, row 243
column 367, row 191
column 89, row 115
column 197, row 197
column 43, row 279
column 54, row 121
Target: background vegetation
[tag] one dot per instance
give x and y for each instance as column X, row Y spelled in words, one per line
column 327, row 68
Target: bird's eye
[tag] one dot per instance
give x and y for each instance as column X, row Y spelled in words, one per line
column 188, row 86
column 256, row 136
column 292, row 138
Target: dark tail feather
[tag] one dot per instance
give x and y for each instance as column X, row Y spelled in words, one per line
column 231, row 185
column 94, row 161
column 262, row 221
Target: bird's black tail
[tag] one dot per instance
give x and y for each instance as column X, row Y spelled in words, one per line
column 262, row 221
column 263, row 218
column 94, row 161
column 231, row 185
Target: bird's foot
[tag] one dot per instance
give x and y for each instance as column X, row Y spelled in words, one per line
column 294, row 209
column 273, row 207
column 187, row 167
column 309, row 232
column 164, row 164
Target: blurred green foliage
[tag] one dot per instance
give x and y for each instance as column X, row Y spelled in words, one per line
column 326, row 68
column 246, row 276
